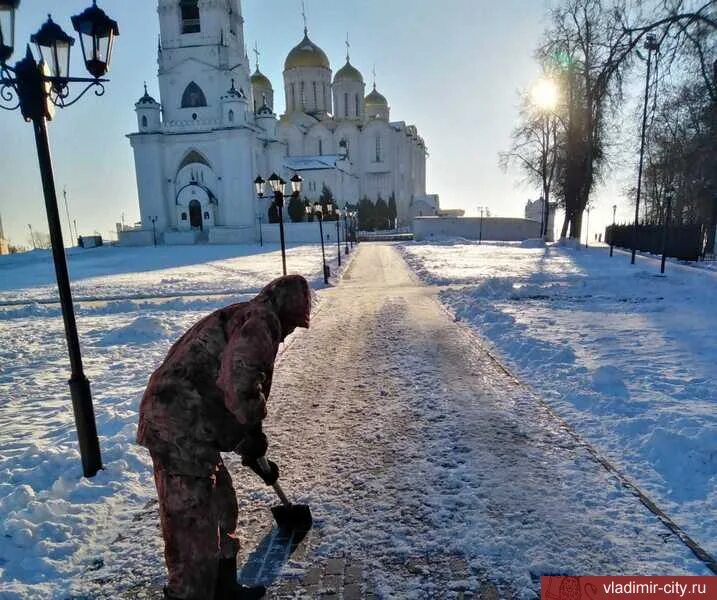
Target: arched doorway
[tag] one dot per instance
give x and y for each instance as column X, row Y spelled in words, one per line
column 195, row 215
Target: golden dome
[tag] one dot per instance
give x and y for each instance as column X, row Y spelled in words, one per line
column 376, row 100
column 348, row 73
column 258, row 79
column 306, row 55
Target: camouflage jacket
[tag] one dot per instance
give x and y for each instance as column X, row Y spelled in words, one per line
column 213, row 385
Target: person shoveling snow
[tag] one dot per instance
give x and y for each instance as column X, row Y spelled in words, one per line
column 209, row 396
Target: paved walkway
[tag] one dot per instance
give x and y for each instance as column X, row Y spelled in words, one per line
column 429, row 471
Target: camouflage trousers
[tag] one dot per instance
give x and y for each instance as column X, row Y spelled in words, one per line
column 198, row 517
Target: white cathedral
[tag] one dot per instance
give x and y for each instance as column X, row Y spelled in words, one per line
column 198, row 151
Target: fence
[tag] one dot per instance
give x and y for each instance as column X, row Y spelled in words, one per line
column 685, row 242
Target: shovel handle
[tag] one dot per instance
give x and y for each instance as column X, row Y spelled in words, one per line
column 264, row 464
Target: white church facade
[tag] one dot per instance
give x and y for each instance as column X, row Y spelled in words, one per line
column 199, row 149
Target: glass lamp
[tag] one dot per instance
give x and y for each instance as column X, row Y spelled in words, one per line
column 296, row 182
column 54, row 46
column 97, row 32
column 7, row 28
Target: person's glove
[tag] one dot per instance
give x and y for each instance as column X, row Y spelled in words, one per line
column 252, row 448
column 254, row 443
column 269, row 478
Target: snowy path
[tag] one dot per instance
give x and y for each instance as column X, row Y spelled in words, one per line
column 622, row 354
column 423, row 461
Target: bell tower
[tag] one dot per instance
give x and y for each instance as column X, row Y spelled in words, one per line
column 201, row 50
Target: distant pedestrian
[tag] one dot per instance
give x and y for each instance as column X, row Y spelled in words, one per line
column 209, row 396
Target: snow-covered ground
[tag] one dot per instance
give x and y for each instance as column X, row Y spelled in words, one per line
column 51, row 520
column 111, row 271
column 627, row 357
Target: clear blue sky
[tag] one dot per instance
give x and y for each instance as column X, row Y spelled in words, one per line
column 453, row 68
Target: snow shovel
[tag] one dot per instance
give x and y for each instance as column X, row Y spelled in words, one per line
column 289, row 517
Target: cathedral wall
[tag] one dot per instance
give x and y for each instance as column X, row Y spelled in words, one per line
column 319, row 141
column 238, row 170
column 149, row 170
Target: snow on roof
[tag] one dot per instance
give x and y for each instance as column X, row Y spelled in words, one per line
column 312, row 163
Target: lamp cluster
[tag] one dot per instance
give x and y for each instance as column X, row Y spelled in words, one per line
column 278, row 185
column 35, row 88
column 97, row 34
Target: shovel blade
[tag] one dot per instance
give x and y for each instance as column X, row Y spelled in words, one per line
column 295, row 518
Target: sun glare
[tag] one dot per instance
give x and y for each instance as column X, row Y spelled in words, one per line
column 545, row 94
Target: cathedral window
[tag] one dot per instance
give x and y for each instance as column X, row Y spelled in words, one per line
column 358, row 106
column 303, row 96
column 144, row 122
column 190, row 16
column 206, row 216
column 379, row 149
column 193, row 96
column 231, row 116
column 184, row 216
column 316, row 96
column 293, row 96
column 321, row 147
column 346, row 105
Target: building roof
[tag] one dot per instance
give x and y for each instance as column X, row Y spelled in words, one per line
column 258, row 79
column 146, row 99
column 376, row 99
column 306, row 55
column 312, row 163
column 348, row 73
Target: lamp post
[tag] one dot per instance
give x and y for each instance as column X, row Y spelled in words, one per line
column 354, row 228
column 350, row 226
column 277, row 186
column 669, row 195
column 612, row 237
column 346, row 228
column 319, row 212
column 483, row 210
column 32, row 237
column 337, row 213
column 36, row 89
column 651, row 46
column 261, row 233
column 154, row 230
column 587, row 229
column 67, row 212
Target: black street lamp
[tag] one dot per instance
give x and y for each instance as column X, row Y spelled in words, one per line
column 7, row 28
column 651, row 46
column 350, row 225
column 587, row 229
column 338, row 233
column 319, row 212
column 154, row 230
column 612, row 237
column 277, row 186
column 36, row 89
column 483, row 210
column 354, row 227
column 669, row 196
column 346, row 228
column 261, row 233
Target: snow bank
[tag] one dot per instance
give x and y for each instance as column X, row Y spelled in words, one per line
column 143, row 330
column 625, row 356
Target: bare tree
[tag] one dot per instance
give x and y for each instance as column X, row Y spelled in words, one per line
column 534, row 150
column 592, row 43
